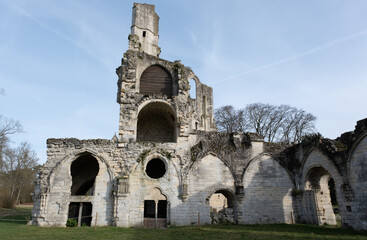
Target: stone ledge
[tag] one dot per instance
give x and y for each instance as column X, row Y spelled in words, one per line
column 75, row 141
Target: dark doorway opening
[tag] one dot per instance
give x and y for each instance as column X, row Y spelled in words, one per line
column 81, row 212
column 155, row 210
column 149, row 209
column 162, row 209
column 334, row 201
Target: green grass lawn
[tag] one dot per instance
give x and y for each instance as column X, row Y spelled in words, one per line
column 19, row 230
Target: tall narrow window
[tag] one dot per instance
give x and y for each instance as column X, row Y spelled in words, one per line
column 192, row 88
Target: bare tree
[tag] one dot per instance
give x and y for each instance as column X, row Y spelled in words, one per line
column 274, row 123
column 7, row 127
column 17, row 165
column 305, row 125
column 229, row 119
column 18, row 171
column 277, row 117
column 257, row 116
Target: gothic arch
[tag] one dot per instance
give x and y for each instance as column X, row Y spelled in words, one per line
column 320, row 161
column 290, row 175
column 152, row 189
column 357, row 176
column 197, row 161
column 214, row 173
column 316, row 171
column 72, row 157
column 352, row 152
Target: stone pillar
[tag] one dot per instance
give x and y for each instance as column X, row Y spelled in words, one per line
column 184, row 192
column 121, row 209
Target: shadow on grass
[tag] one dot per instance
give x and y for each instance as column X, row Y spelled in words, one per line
column 295, row 228
column 15, row 230
column 19, row 216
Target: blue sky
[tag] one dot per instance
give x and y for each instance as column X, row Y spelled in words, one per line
column 58, row 59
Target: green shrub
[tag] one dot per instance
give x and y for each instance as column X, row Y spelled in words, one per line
column 71, row 223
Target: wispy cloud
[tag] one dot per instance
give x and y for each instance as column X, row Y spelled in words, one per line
column 298, row 56
column 79, row 44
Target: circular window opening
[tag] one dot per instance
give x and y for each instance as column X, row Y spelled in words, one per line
column 155, row 168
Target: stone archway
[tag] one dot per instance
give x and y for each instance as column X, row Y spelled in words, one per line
column 156, row 123
column 155, row 210
column 83, row 172
column 222, row 207
column 317, row 198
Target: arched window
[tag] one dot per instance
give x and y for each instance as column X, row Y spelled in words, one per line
column 192, row 88
column 156, row 123
column 156, row 80
column 84, row 171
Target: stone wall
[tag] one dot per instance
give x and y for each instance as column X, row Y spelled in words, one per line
column 357, row 170
column 130, row 205
column 316, row 206
column 196, row 169
column 206, row 176
column 268, row 190
column 53, row 190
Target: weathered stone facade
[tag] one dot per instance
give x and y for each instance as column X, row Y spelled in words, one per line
column 168, row 159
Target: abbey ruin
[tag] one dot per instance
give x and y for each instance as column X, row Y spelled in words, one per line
column 169, row 161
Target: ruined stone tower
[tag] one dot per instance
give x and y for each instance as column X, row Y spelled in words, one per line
column 153, row 93
column 144, row 30
column 168, row 161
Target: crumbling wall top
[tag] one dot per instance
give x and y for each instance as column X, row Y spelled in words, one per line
column 145, row 17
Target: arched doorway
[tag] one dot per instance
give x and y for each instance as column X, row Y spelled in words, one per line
column 83, row 172
column 155, row 210
column 320, row 197
column 222, row 207
column 156, row 123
